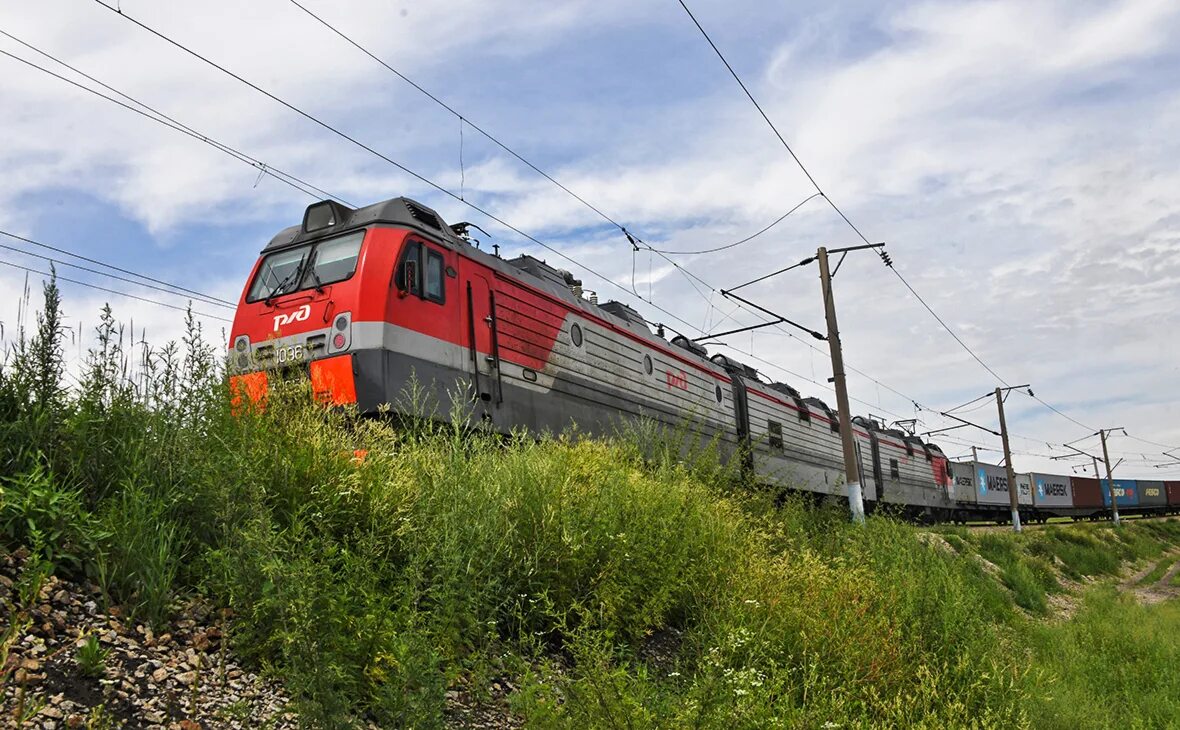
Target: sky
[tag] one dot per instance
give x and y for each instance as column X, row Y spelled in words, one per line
column 1017, row 157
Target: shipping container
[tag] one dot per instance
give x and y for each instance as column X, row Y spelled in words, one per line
column 1126, row 493
column 991, row 486
column 1152, row 494
column 1087, row 493
column 1173, row 493
column 963, row 481
column 1052, row 490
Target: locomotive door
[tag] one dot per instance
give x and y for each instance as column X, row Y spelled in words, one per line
column 741, row 412
column 479, row 337
column 876, row 445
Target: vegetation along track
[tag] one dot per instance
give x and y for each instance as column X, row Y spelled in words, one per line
column 554, row 583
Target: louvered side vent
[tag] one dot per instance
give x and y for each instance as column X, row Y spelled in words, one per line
column 422, row 215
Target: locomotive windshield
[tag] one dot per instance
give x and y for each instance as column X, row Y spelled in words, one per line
column 307, row 266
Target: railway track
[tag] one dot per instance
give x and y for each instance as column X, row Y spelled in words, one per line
column 992, row 527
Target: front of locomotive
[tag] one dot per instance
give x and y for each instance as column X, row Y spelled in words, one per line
column 298, row 308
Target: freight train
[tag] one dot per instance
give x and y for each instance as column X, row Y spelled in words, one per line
column 368, row 301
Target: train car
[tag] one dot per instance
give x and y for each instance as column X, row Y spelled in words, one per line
column 1088, row 498
column 1173, row 489
column 991, row 487
column 963, row 483
column 1052, row 491
column 1126, row 493
column 796, row 441
column 1153, row 497
column 1052, row 495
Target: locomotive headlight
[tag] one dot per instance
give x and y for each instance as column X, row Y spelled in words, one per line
column 324, row 215
column 341, row 333
column 242, row 343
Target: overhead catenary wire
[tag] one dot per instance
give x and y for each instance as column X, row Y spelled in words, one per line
column 446, row 106
column 161, row 118
column 635, row 241
column 418, row 176
column 59, row 262
column 184, row 290
column 747, row 239
column 857, row 231
column 115, row 292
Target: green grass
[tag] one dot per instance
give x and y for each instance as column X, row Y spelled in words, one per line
column 1157, row 572
column 448, row 557
column 1113, row 665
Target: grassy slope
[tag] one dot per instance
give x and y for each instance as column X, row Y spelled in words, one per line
column 445, row 559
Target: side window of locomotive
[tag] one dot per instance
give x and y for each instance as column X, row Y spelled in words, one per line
column 894, row 471
column 434, row 276
column 408, row 276
column 775, row 430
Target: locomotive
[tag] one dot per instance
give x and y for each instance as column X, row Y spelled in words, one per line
column 371, row 300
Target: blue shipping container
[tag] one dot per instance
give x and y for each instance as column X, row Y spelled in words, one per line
column 1126, row 492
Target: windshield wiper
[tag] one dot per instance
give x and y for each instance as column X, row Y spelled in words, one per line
column 293, row 276
column 319, row 285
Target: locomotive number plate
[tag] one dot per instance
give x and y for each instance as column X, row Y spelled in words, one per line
column 290, row 354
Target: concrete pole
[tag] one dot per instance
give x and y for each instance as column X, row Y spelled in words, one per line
column 1114, row 503
column 1012, row 488
column 851, row 475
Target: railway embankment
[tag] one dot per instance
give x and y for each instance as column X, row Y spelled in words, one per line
column 362, row 574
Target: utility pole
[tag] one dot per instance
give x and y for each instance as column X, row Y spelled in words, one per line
column 851, row 475
column 1012, row 488
column 1114, row 503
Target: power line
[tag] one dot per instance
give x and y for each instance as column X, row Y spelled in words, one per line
column 816, row 185
column 951, row 332
column 113, row 291
column 449, row 193
column 751, row 237
column 820, row 191
column 421, row 178
column 462, row 118
column 216, row 303
column 685, row 272
column 161, row 118
column 209, row 298
column 635, row 241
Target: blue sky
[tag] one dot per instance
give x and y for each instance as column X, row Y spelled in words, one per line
column 1017, row 157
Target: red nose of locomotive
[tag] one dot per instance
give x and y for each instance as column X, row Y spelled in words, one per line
column 296, row 311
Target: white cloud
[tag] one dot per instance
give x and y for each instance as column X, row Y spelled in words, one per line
column 1017, row 156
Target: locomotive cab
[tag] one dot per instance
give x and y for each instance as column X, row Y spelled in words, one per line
column 321, row 292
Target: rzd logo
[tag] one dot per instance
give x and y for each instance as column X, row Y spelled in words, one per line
column 297, row 316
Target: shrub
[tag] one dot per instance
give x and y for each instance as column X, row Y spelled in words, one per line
column 38, row 511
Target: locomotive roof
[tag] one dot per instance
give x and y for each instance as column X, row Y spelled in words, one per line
column 401, row 212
